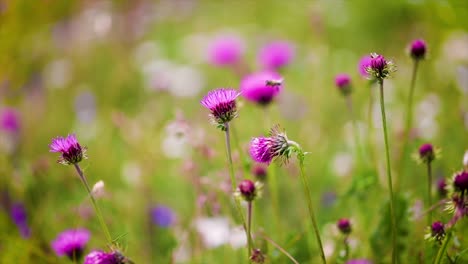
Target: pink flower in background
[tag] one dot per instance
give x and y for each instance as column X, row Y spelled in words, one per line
column 275, row 55
column 71, row 243
column 261, row 87
column 226, row 50
column 364, row 63
column 10, row 120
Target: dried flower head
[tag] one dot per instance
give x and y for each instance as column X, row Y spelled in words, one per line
column 71, row 150
column 276, row 146
column 436, row 232
column 343, row 83
column 71, row 243
column 344, row 225
column 257, row 256
column 222, row 105
column 418, row 49
column 248, row 190
column 261, row 87
column 379, row 68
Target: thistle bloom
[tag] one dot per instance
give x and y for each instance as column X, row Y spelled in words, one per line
column 9, row 120
column 343, row 82
column 71, row 150
column 222, row 105
column 101, row 257
column 261, row 87
column 460, row 182
column 364, row 63
column 248, row 190
column 277, row 145
column 418, row 49
column 379, row 68
column 436, row 232
column 163, row 216
column 226, row 50
column 275, row 55
column 71, row 243
column 344, row 225
column 426, row 153
column 19, row 217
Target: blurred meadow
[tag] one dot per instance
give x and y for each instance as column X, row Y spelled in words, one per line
column 127, row 78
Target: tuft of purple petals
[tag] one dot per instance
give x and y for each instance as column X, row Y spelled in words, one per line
column 71, row 150
column 71, row 243
column 261, row 87
column 222, row 105
column 101, row 257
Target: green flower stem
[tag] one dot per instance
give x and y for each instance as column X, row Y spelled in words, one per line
column 389, row 174
column 300, row 157
column 234, row 185
column 249, row 225
column 279, row 248
column 442, row 249
column 95, row 205
column 349, row 104
column 409, row 117
column 346, row 246
column 429, row 192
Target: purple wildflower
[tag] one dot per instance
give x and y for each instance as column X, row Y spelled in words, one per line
column 364, row 63
column 71, row 150
column 71, row 242
column 248, row 190
column 222, row 104
column 163, row 216
column 437, row 229
column 343, row 82
column 379, row 67
column 344, row 225
column 261, row 87
column 359, row 261
column 426, row 153
column 277, row 145
column 19, row 217
column 460, row 182
column 259, row 171
column 418, row 49
column 442, row 187
column 226, row 50
column 101, row 257
column 10, row 121
column 275, row 55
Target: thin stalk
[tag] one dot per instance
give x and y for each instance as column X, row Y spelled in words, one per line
column 349, row 104
column 279, row 248
column 346, row 245
column 234, row 185
column 309, row 204
column 409, row 116
column 442, row 249
column 95, row 205
column 389, row 173
column 429, row 192
column 249, row 225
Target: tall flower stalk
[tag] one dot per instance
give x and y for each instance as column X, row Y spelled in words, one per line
column 72, row 153
column 379, row 70
column 426, row 154
column 278, row 147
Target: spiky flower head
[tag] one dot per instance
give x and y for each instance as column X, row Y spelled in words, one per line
column 344, row 225
column 343, row 83
column 261, row 87
column 71, row 243
column 101, row 257
column 426, row 154
column 379, row 68
column 460, row 181
column 418, row 49
column 222, row 105
column 276, row 146
column 71, row 150
column 248, row 190
column 436, row 232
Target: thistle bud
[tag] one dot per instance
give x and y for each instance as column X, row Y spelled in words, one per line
column 344, row 225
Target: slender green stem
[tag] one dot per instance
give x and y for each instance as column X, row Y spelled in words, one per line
column 349, row 104
column 309, row 204
column 280, row 248
column 429, row 192
column 346, row 246
column 249, row 225
column 234, row 186
column 389, row 173
column 95, row 205
column 442, row 249
column 409, row 117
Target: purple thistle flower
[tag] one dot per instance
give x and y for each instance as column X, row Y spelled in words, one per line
column 275, row 55
column 261, row 87
column 437, row 229
column 10, row 121
column 359, row 261
column 364, row 63
column 344, row 225
column 277, row 145
column 222, row 104
column 418, row 49
column 19, row 217
column 379, row 67
column 343, row 82
column 426, row 153
column 71, row 242
column 226, row 50
column 247, row 190
column 460, row 182
column 101, row 257
column 163, row 216
column 71, row 150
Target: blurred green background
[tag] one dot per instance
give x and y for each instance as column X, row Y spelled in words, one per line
column 99, row 69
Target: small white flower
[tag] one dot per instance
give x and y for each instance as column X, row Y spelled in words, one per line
column 214, row 231
column 98, row 189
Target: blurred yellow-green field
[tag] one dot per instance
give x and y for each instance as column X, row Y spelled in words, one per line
column 127, row 78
